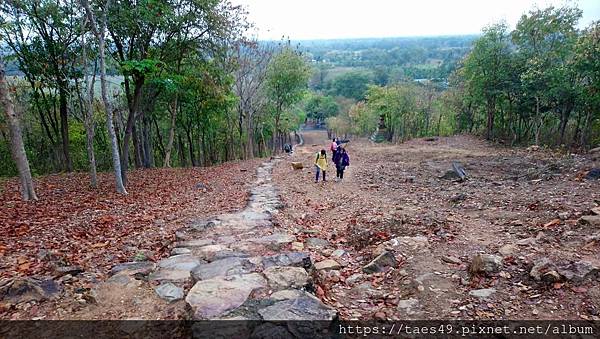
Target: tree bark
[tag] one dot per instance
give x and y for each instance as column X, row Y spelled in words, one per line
column 16, row 139
column 99, row 33
column 64, row 124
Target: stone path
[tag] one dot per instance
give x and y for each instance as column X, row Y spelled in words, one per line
column 238, row 265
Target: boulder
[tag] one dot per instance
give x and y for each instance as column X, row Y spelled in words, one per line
column 328, row 264
column 290, row 294
column 169, row 292
column 297, row 246
column 214, row 297
column 222, row 267
column 507, row 250
column 297, row 165
column 381, row 263
column 304, row 308
column 282, row 277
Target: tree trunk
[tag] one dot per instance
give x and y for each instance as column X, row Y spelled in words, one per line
column 104, row 87
column 137, row 94
column 64, row 124
column 16, row 139
column 491, row 112
column 538, row 122
column 171, row 134
column 138, row 156
column 89, row 113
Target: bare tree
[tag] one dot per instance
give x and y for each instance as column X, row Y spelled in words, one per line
column 16, row 139
column 252, row 61
column 99, row 32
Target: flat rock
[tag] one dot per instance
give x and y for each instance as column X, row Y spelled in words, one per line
column 305, row 308
column 290, row 294
column 316, row 243
column 214, row 297
column 180, row 250
column 482, row 293
column 180, row 262
column 328, row 264
column 170, row 275
column 545, row 270
column 381, row 262
column 196, row 243
column 408, row 305
column 281, row 277
column 169, row 292
column 353, row 279
column 134, row 268
column 222, row 267
column 275, row 239
column 298, row 259
column 416, row 244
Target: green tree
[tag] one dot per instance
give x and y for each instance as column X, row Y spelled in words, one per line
column 287, row 81
column 351, row 85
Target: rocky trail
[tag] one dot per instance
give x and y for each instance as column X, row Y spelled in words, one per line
column 398, row 238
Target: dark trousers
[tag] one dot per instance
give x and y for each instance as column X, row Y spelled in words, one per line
column 317, row 170
column 339, row 172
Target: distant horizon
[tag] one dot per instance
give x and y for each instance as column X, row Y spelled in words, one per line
column 352, row 19
column 379, row 37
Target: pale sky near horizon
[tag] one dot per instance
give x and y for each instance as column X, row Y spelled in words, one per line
column 331, row 19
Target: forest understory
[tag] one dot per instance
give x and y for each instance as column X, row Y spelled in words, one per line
column 394, row 210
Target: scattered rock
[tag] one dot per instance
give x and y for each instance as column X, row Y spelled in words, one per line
column 485, row 263
column 591, row 220
column 596, row 210
column 195, row 243
column 281, row 277
column 338, row 253
column 508, row 250
column 214, row 297
column 482, row 293
column 451, row 260
column 169, row 292
column 297, row 246
column 458, row 197
column 408, row 306
column 297, row 165
column 353, row 279
column 328, row 264
column 222, row 267
column 381, row 262
column 316, row 243
column 593, row 174
column 544, row 270
column 578, row 271
column 304, row 308
column 526, row 242
column 72, row 270
column 418, row 243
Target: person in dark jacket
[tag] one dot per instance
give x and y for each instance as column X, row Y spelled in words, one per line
column 342, row 160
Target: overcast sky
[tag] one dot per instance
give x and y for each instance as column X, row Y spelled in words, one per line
column 325, row 19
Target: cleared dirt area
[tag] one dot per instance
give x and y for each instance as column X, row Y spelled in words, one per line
column 519, row 206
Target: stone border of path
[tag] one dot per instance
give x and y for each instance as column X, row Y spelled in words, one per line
column 223, row 257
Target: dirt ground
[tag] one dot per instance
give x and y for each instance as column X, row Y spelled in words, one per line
column 529, row 200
